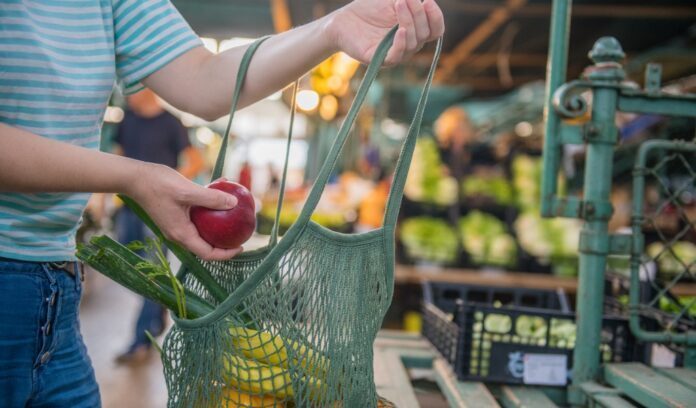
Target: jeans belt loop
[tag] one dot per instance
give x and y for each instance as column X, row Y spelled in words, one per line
column 67, row 266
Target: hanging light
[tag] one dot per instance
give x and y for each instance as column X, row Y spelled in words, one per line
column 328, row 107
column 335, row 83
column 524, row 129
column 307, row 100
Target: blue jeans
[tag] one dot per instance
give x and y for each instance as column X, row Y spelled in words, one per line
column 151, row 318
column 43, row 360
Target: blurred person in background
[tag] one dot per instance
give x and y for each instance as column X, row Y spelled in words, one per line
column 49, row 159
column 369, row 160
column 150, row 134
column 245, row 175
column 455, row 135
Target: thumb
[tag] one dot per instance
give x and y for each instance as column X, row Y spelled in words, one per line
column 212, row 198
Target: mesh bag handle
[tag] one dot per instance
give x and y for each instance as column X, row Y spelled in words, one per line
column 283, row 178
column 396, row 191
column 220, row 161
column 401, row 170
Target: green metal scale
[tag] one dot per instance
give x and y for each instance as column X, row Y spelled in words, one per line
column 593, row 384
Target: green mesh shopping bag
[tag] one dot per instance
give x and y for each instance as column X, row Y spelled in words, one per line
column 293, row 323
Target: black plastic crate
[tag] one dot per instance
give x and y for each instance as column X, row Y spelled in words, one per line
column 446, row 295
column 490, row 343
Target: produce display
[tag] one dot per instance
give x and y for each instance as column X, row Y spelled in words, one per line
column 688, row 302
column 337, row 208
column 672, row 261
column 288, row 215
column 533, row 330
column 548, row 238
column 227, row 228
column 495, row 188
column 427, row 180
column 429, row 239
column 526, row 179
column 482, row 234
column 527, row 328
column 485, row 239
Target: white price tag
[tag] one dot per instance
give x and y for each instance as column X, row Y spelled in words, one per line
column 545, row 369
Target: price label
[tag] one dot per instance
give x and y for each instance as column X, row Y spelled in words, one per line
column 545, row 369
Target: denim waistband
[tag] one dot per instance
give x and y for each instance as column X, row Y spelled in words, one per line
column 32, row 267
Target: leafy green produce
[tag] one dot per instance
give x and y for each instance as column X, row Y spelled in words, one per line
column 526, row 182
column 526, row 179
column 485, row 239
column 553, row 240
column 496, row 188
column 429, row 239
column 681, row 258
column 686, row 302
column 427, row 181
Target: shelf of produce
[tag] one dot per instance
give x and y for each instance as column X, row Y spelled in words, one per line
column 416, row 274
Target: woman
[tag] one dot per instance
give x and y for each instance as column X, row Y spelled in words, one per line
column 58, row 63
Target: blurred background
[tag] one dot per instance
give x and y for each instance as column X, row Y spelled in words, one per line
column 471, row 207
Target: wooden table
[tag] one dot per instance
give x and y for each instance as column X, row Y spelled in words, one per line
column 417, row 275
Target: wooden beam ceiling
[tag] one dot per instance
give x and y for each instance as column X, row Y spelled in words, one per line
column 282, row 21
column 498, row 16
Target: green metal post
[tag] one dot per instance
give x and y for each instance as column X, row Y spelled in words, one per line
column 555, row 77
column 601, row 138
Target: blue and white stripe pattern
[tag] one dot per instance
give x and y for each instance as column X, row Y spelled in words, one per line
column 59, row 61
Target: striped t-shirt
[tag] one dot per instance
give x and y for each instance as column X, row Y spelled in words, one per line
column 59, row 61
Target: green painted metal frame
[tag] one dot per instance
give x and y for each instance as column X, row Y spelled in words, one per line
column 565, row 101
column 639, row 173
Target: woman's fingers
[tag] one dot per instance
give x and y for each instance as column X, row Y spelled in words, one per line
column 209, row 198
column 420, row 21
column 396, row 53
column 194, row 243
column 436, row 21
column 405, row 19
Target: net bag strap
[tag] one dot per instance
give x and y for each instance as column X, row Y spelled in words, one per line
column 220, row 162
column 283, row 178
column 241, row 76
column 396, row 191
column 344, row 131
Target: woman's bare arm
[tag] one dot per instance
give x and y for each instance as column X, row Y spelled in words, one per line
column 202, row 83
column 31, row 163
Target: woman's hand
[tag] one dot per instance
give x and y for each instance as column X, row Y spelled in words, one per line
column 167, row 197
column 358, row 28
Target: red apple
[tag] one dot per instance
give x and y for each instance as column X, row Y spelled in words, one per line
column 227, row 228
